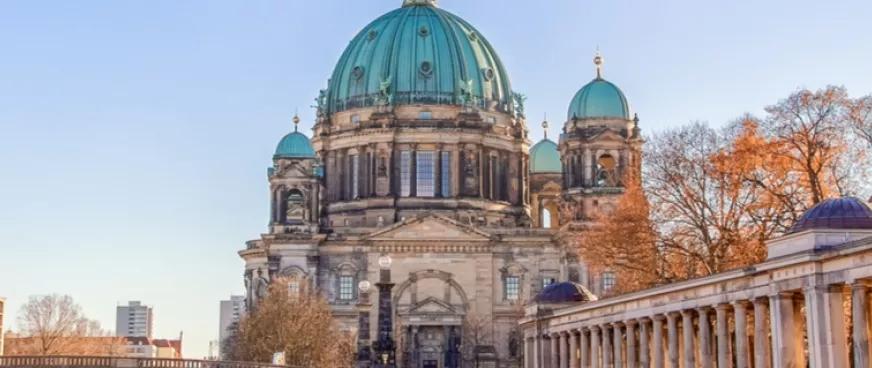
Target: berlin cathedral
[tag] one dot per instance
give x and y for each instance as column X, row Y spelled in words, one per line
column 420, row 155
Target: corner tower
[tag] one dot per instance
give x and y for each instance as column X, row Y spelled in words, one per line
column 419, row 117
column 601, row 144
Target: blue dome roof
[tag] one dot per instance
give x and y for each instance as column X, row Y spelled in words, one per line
column 599, row 99
column 544, row 157
column 838, row 213
column 295, row 145
column 419, row 54
column 565, row 292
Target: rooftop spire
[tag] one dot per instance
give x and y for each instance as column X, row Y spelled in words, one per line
column 598, row 60
column 419, row 3
column 296, row 121
column 545, row 126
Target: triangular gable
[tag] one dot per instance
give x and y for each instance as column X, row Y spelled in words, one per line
column 429, row 228
column 607, row 135
column 432, row 306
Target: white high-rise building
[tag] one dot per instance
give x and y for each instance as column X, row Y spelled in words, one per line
column 134, row 320
column 231, row 311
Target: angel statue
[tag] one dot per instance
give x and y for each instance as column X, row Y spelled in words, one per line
column 520, row 100
column 384, row 92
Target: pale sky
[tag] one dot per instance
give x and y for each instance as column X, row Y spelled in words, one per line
column 135, row 135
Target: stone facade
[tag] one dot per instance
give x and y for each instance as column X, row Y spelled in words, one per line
column 436, row 176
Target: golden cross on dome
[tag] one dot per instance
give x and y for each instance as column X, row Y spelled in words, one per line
column 598, row 60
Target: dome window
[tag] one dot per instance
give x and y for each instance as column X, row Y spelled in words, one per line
column 423, row 31
column 426, row 68
column 473, row 37
column 372, row 35
column 357, row 73
column 425, row 115
column 488, row 74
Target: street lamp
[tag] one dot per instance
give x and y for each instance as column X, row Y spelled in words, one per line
column 385, row 347
column 364, row 356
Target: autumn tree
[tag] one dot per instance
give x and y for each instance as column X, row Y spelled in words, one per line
column 299, row 324
column 625, row 242
column 56, row 325
column 477, row 333
column 861, row 118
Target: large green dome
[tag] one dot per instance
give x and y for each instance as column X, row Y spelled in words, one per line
column 419, row 54
column 544, row 157
column 599, row 99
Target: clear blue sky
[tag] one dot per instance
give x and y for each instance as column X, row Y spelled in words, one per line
column 135, row 135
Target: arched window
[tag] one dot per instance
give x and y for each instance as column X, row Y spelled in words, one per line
column 606, row 173
column 295, row 207
column 546, row 218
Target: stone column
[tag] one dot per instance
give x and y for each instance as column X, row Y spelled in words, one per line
column 761, row 335
column 607, row 347
column 687, row 332
column 594, row 347
column 573, row 350
column 825, row 324
column 584, row 347
column 644, row 347
column 786, row 344
column 528, row 353
column 563, row 338
column 723, row 329
column 672, row 329
column 632, row 360
column 545, row 343
column 739, row 310
column 618, row 342
column 706, row 359
column 860, row 318
column 658, row 341
column 555, row 351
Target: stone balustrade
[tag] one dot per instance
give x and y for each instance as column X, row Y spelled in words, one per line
column 119, row 362
column 793, row 310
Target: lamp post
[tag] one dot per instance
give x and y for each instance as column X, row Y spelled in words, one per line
column 364, row 355
column 384, row 347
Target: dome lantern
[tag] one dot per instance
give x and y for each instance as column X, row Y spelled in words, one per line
column 407, row 3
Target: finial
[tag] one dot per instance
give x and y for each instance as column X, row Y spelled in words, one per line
column 407, row 3
column 545, row 125
column 296, row 121
column 598, row 60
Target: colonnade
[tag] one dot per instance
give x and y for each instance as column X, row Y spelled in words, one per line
column 802, row 327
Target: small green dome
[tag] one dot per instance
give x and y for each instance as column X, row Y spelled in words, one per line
column 295, row 145
column 419, row 54
column 544, row 157
column 599, row 99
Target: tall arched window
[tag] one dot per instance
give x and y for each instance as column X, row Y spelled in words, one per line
column 295, row 207
column 606, row 169
column 546, row 218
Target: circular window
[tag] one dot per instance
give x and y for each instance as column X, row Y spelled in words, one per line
column 473, row 37
column 357, row 73
column 423, row 31
column 488, row 74
column 426, row 68
column 372, row 35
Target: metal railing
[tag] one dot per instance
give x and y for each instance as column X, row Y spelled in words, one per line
column 121, row 362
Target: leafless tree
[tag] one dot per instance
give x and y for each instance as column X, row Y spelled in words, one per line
column 297, row 323
column 55, row 325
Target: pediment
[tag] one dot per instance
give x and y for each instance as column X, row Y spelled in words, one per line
column 432, row 306
column 430, row 228
column 607, row 135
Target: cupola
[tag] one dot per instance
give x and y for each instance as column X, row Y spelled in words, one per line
column 599, row 99
column 294, row 145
